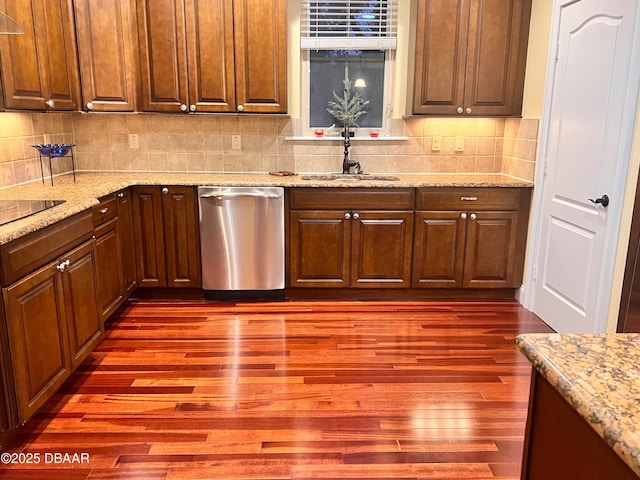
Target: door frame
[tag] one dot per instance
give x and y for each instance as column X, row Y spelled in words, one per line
column 622, row 175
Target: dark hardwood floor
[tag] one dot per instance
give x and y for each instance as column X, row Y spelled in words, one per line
column 292, row 390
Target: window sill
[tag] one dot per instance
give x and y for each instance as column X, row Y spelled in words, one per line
column 353, row 139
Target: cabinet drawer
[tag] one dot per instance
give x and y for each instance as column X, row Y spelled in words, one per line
column 106, row 210
column 352, row 198
column 472, row 198
column 26, row 254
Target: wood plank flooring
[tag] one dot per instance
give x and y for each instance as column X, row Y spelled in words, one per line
column 292, row 390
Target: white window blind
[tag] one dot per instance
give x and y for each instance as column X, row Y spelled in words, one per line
column 348, row 24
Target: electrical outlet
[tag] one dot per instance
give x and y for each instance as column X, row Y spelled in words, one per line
column 133, row 141
column 459, row 144
column 235, row 142
column 436, row 144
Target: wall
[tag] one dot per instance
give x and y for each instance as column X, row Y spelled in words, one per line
column 19, row 161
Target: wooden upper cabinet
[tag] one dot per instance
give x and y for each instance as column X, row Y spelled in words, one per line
column 40, row 67
column 212, row 56
column 106, row 47
column 261, row 55
column 163, row 55
column 470, row 57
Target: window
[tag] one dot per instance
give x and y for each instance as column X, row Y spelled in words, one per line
column 352, row 39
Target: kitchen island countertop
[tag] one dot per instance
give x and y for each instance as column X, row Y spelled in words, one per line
column 599, row 376
column 90, row 187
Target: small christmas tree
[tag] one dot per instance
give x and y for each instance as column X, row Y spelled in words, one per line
column 349, row 108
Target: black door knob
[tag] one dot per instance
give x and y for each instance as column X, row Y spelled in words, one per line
column 603, row 200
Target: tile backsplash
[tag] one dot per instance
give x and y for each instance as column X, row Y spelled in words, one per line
column 203, row 143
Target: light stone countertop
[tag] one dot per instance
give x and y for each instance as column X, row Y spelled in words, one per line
column 89, row 187
column 599, row 375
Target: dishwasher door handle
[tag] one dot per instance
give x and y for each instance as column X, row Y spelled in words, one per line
column 232, row 196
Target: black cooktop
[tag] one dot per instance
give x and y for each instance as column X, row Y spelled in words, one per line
column 12, row 210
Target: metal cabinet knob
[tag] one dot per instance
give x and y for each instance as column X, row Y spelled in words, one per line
column 50, row 103
column 473, row 216
column 121, row 195
column 193, row 108
column 60, row 267
column 356, row 216
column 467, row 111
column 347, row 216
column 240, row 108
column 463, row 216
column 165, row 190
column 183, row 107
column 459, row 110
column 89, row 105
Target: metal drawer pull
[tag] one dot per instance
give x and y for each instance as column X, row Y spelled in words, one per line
column 104, row 210
column 468, row 199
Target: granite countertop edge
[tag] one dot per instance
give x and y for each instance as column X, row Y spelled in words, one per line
column 90, row 186
column 587, row 371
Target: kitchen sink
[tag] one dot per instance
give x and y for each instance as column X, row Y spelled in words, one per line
column 350, row 177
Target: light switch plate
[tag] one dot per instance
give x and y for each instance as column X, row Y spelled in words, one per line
column 436, row 144
column 133, row 141
column 459, row 144
column 235, row 142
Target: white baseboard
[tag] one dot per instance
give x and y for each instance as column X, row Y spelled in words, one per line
column 520, row 294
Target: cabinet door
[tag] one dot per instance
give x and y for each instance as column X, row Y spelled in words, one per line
column 261, row 55
column 149, row 237
column 319, row 249
column 180, row 214
column 37, row 333
column 490, row 254
column 211, row 58
column 439, row 250
column 496, row 59
column 127, row 243
column 39, row 67
column 109, row 268
column 104, row 29
column 8, row 412
column 163, row 55
column 441, row 56
column 84, row 324
column 381, row 248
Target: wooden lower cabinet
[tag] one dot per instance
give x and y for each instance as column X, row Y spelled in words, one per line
column 559, row 444
column 115, row 252
column 128, row 250
column 470, row 238
column 381, row 244
column 320, row 249
column 165, row 221
column 365, row 244
column 52, row 325
column 109, row 267
column 463, row 250
column 84, row 324
column 490, row 253
column 350, row 249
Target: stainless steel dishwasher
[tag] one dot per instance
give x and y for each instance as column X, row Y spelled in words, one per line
column 242, row 242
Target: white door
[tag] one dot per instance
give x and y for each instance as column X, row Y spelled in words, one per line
column 590, row 102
